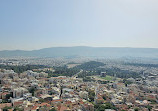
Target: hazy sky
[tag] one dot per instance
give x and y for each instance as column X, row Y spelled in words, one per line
column 35, row 24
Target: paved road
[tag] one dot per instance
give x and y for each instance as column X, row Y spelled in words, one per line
column 76, row 75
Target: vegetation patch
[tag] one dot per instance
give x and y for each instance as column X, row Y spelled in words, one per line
column 108, row 78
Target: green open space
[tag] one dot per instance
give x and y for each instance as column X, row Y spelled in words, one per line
column 108, row 78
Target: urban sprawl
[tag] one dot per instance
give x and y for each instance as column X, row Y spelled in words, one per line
column 77, row 85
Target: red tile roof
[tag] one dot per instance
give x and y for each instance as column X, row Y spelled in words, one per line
column 5, row 104
column 62, row 108
column 45, row 104
column 18, row 103
column 35, row 107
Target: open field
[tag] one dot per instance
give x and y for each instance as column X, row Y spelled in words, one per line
column 108, row 78
column 72, row 65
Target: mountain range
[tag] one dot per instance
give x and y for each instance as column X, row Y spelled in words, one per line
column 84, row 51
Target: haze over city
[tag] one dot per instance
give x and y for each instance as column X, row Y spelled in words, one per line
column 37, row 24
column 78, row 55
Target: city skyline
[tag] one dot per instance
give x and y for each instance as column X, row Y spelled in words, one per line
column 32, row 25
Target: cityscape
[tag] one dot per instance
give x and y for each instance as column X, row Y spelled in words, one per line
column 76, row 85
column 78, row 55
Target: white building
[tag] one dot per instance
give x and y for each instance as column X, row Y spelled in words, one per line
column 19, row 92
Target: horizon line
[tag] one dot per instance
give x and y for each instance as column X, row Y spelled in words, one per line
column 79, row 46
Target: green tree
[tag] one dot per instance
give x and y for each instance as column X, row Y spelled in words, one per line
column 136, row 109
column 6, row 108
column 53, row 109
column 32, row 90
column 149, row 107
column 91, row 95
column 18, row 109
column 41, row 100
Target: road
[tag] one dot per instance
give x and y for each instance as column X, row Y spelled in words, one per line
column 76, row 75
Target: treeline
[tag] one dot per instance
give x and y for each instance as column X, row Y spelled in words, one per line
column 90, row 65
column 89, row 69
column 89, row 73
column 111, row 72
column 20, row 69
column 120, row 73
column 93, row 68
column 62, row 71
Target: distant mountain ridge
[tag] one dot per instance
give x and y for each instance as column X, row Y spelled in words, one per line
column 84, row 51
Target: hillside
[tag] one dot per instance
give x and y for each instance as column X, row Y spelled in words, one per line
column 84, row 52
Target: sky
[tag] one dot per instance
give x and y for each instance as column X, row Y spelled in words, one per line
column 37, row 24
